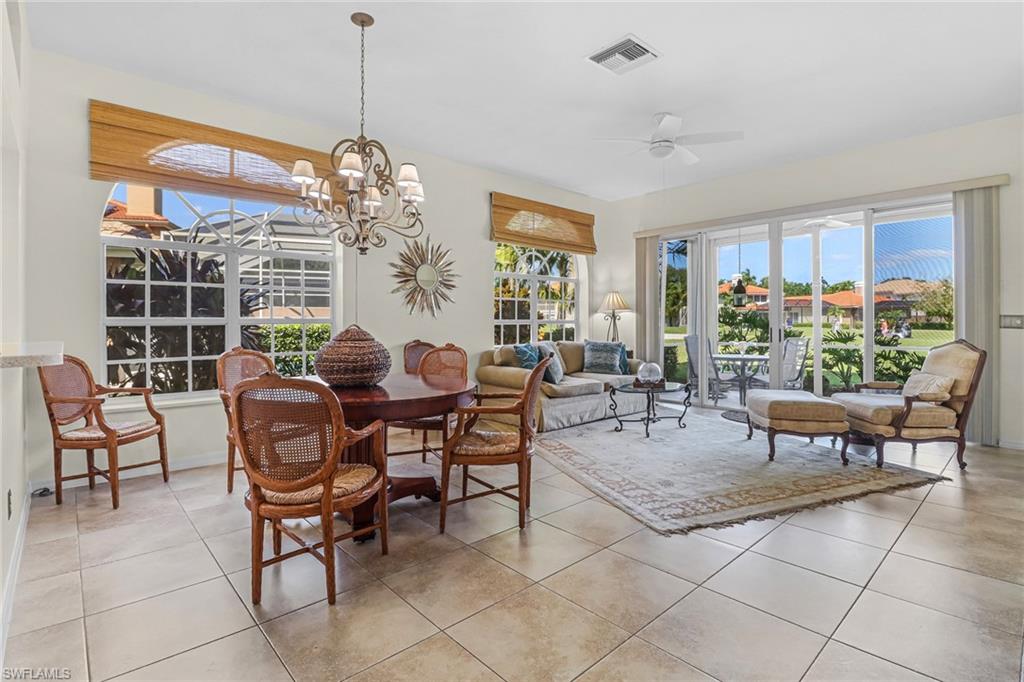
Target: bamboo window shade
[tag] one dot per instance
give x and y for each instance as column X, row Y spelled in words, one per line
column 515, row 220
column 131, row 145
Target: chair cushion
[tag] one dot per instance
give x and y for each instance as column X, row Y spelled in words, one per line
column 607, row 380
column 794, row 406
column 602, row 357
column 883, row 408
column 800, row 425
column 487, row 443
column 955, row 360
column 571, row 386
column 349, row 479
column 123, row 429
column 925, row 382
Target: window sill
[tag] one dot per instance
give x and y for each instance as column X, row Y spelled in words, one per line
column 132, row 404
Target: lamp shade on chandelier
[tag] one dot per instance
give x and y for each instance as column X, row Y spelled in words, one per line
column 363, row 198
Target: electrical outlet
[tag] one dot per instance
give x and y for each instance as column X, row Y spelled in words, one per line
column 10, row 506
column 1011, row 321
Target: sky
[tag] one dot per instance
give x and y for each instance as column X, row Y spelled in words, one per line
column 182, row 216
column 916, row 249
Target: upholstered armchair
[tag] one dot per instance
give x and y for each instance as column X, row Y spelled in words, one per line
column 932, row 406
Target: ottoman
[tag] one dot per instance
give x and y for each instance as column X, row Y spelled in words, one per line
column 797, row 413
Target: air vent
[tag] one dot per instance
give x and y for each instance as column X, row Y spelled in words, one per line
column 625, row 55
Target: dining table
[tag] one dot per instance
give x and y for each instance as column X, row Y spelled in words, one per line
column 399, row 397
column 741, row 362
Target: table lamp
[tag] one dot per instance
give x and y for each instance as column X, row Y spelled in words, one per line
column 613, row 303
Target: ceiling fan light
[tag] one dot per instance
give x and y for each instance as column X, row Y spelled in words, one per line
column 408, row 175
column 303, row 173
column 351, row 165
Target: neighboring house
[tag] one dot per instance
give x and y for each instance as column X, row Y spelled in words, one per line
column 755, row 293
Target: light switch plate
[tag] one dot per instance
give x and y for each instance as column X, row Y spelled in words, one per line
column 1011, row 321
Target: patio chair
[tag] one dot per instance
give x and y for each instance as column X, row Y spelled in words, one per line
column 932, row 406
column 718, row 382
column 794, row 365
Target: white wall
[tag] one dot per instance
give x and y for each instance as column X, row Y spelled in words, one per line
column 977, row 150
column 63, row 266
column 12, row 292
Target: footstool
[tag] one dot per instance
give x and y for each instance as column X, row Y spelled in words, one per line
column 796, row 413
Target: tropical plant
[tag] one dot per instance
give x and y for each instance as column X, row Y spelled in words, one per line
column 894, row 365
column 844, row 363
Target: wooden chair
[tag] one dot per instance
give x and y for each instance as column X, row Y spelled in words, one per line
column 446, row 361
column 470, row 446
column 71, row 394
column 234, row 366
column 910, row 417
column 291, row 433
column 412, row 353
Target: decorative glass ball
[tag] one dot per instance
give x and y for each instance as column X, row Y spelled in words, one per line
column 649, row 373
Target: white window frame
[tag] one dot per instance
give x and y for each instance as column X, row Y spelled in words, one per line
column 534, row 280
column 232, row 286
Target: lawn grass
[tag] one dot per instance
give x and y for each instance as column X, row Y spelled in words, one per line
column 922, row 338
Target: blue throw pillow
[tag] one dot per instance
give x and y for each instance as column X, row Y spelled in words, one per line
column 528, row 354
column 623, row 361
column 555, row 371
column 603, row 357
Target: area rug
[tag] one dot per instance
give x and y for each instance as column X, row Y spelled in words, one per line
column 710, row 475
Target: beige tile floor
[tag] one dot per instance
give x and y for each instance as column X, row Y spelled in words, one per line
column 916, row 584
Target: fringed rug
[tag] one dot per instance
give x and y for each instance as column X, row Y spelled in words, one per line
column 710, row 475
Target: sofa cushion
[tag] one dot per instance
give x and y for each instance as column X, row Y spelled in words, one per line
column 555, row 371
column 571, row 386
column 794, row 405
column 883, row 408
column 527, row 354
column 602, row 357
column 606, row 380
column 505, row 356
column 572, row 355
column 926, row 382
column 955, row 360
column 800, row 425
column 505, row 377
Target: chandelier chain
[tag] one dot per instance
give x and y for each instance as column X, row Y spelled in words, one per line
column 362, row 79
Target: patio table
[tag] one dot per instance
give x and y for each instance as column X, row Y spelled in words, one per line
column 740, row 362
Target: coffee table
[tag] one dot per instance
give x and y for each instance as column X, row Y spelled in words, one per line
column 651, row 413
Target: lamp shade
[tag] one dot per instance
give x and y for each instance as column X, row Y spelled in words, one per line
column 321, row 189
column 413, row 194
column 303, row 173
column 351, row 165
column 614, row 301
column 373, row 197
column 408, row 176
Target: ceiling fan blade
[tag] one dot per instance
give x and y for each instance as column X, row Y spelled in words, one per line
column 622, row 139
column 668, row 127
column 710, row 138
column 688, row 157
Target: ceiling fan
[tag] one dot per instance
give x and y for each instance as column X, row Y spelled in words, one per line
column 666, row 140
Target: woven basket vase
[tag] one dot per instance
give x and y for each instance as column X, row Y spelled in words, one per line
column 353, row 358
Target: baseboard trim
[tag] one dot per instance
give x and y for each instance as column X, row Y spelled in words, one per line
column 11, row 576
column 1012, row 444
column 176, row 464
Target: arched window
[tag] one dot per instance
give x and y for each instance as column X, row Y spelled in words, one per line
column 187, row 276
column 535, row 295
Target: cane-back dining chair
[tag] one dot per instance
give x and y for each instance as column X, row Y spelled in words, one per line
column 444, row 361
column 411, row 354
column 291, row 433
column 71, row 394
column 234, row 366
column 470, row 446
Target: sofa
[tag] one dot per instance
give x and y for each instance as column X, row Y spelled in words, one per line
column 579, row 398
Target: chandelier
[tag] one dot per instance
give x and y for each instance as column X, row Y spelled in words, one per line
column 373, row 200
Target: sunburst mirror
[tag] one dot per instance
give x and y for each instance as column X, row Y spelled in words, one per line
column 425, row 277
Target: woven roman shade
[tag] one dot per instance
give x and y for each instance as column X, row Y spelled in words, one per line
column 515, row 220
column 130, row 145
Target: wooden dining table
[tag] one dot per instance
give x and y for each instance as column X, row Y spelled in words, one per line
column 399, row 397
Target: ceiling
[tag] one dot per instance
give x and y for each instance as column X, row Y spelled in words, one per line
column 507, row 86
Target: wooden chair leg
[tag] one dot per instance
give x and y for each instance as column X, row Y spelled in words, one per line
column 750, row 429
column 524, row 487
column 162, row 440
column 58, row 476
column 90, row 463
column 424, row 447
column 115, row 483
column 465, row 479
column 771, row 445
column 231, row 466
column 446, row 470
column 382, row 517
column 529, row 480
column 276, row 537
column 257, row 556
column 961, row 446
column 846, row 444
column 879, row 452
column 327, row 524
